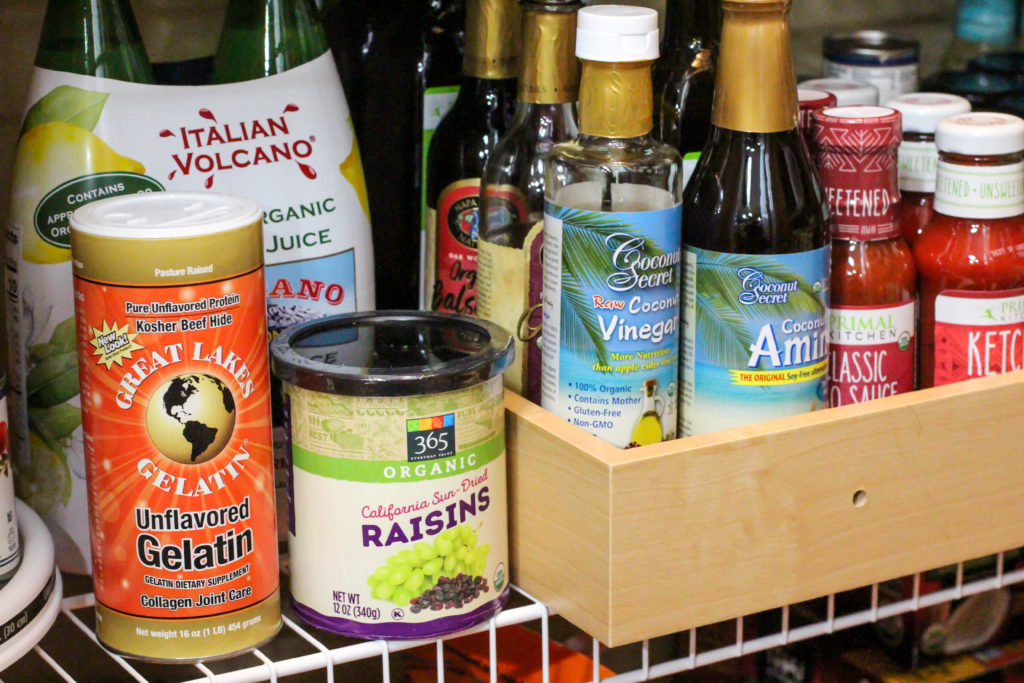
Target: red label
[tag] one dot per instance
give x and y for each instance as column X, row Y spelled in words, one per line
column 872, row 352
column 978, row 334
column 458, row 218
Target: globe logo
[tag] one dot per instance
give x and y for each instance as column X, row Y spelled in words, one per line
column 190, row 418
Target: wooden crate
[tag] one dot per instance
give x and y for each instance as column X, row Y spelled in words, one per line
column 633, row 544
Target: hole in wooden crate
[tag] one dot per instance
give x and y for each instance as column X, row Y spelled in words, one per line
column 860, row 498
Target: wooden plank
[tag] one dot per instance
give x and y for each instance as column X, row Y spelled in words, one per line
column 721, row 525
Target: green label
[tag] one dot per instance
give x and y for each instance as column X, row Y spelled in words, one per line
column 53, row 214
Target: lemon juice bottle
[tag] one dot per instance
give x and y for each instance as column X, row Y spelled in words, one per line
column 61, row 162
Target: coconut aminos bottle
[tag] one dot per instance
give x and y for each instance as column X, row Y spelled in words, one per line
column 755, row 226
column 612, row 242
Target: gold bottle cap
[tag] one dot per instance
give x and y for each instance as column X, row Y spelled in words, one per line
column 493, row 31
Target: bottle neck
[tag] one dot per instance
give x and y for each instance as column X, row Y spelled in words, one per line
column 549, row 72
column 267, row 37
column 755, row 87
column 616, row 99
column 688, row 22
column 492, row 39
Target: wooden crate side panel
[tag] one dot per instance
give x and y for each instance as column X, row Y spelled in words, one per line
column 559, row 532
column 735, row 527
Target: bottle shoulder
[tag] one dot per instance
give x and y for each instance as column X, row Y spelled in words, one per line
column 968, row 251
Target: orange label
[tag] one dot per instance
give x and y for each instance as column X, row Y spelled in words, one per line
column 176, row 411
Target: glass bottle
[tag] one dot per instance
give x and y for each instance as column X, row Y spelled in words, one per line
column 93, row 38
column 268, row 37
column 684, row 76
column 970, row 256
column 63, row 153
column 181, row 50
column 918, row 156
column 461, row 146
column 755, row 226
column 509, row 279
column 873, row 286
column 981, row 26
column 612, row 239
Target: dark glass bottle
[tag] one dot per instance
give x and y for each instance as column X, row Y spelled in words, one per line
column 93, row 38
column 684, row 76
column 756, row 230
column 268, row 37
column 512, row 195
column 461, row 146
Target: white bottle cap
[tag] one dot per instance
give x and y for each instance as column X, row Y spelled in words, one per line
column 846, row 92
column 922, row 110
column 617, row 33
column 980, row 133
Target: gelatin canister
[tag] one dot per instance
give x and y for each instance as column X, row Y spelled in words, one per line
column 172, row 356
column 398, row 523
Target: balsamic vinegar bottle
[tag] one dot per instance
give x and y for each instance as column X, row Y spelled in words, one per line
column 461, row 146
column 509, row 278
column 756, row 230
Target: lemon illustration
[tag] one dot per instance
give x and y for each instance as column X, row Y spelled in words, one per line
column 46, row 480
column 48, row 155
column 352, row 169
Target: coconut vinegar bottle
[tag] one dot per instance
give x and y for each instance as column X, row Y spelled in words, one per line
column 612, row 244
column 756, row 229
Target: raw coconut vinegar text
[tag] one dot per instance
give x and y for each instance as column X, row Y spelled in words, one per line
column 612, row 243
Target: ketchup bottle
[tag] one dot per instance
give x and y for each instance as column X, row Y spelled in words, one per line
column 918, row 156
column 873, row 286
column 971, row 254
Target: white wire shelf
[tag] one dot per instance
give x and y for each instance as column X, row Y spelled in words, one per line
column 70, row 652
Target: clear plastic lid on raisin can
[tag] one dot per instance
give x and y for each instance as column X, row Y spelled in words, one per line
column 846, row 92
column 391, row 353
column 980, row 134
column 922, row 110
column 856, row 153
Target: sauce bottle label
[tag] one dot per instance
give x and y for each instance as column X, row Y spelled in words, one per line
column 458, row 226
column 755, row 343
column 611, row 321
column 397, row 501
column 872, row 352
column 979, row 191
column 918, row 162
column 978, row 334
column 285, row 141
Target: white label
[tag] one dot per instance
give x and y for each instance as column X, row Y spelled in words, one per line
column 979, row 191
column 890, row 80
column 918, row 162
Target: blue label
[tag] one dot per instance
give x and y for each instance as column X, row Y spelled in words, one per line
column 304, row 290
column 611, row 321
column 755, row 337
column 986, row 21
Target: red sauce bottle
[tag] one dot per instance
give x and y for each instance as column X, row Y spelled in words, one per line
column 918, row 156
column 970, row 256
column 873, row 283
column 810, row 101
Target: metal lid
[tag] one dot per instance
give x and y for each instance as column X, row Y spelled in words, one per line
column 980, row 133
column 847, row 92
column 391, row 353
column 922, row 110
column 871, row 47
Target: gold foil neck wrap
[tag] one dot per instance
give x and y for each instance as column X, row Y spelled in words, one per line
column 203, row 258
column 616, row 99
column 755, row 87
column 493, row 32
column 550, row 72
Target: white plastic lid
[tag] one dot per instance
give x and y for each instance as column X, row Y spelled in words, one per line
column 810, row 95
column 980, row 133
column 857, row 112
column 922, row 110
column 617, row 33
column 149, row 215
column 846, row 92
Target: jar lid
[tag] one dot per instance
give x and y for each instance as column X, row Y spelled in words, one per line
column 810, row 98
column 154, row 215
column 846, row 92
column 858, row 127
column 871, row 47
column 980, row 133
column 391, row 353
column 922, row 110
column 617, row 33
